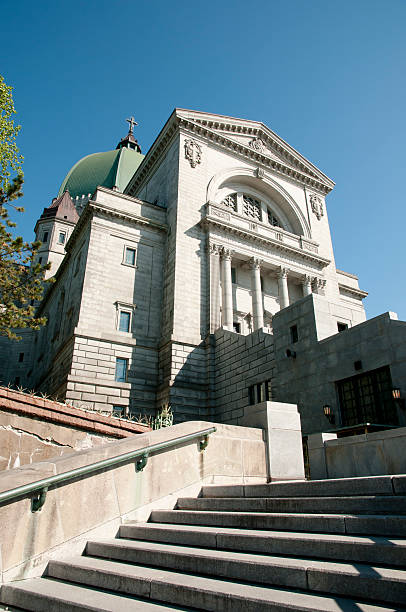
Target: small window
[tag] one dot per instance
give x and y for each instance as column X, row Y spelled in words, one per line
column 342, row 326
column 121, row 369
column 233, row 275
column 45, row 237
column 21, row 357
column 129, row 256
column 124, row 321
column 260, row 392
column 294, row 336
column 40, row 260
column 237, row 327
column 61, row 237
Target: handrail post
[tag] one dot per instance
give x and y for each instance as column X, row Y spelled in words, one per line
column 141, row 462
column 203, row 443
column 37, row 501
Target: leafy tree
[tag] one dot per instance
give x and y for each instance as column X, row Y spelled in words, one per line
column 21, row 280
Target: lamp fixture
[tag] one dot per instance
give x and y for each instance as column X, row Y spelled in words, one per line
column 396, row 394
column 329, row 414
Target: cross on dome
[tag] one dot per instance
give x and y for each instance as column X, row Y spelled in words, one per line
column 132, row 122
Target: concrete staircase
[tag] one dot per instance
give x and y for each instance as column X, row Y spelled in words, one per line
column 323, row 545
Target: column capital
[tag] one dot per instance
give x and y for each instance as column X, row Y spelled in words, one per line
column 319, row 284
column 282, row 272
column 255, row 263
column 226, row 253
column 307, row 279
column 213, row 249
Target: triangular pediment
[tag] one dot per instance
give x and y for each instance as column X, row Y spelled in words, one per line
column 258, row 138
column 251, row 139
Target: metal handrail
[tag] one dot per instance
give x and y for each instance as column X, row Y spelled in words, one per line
column 143, row 453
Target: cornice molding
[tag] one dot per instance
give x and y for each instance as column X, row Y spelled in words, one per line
column 352, row 290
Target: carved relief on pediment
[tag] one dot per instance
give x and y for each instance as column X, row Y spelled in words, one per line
column 193, row 152
column 317, row 205
column 257, row 144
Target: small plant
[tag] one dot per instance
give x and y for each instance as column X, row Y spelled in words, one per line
column 164, row 417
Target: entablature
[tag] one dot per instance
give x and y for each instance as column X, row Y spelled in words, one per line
column 273, row 238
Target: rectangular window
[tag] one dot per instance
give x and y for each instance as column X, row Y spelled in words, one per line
column 40, row 260
column 233, row 275
column 129, row 256
column 61, row 237
column 261, row 392
column 21, row 357
column 237, row 327
column 294, row 336
column 45, row 237
column 124, row 321
column 367, row 398
column 342, row 326
column 121, row 369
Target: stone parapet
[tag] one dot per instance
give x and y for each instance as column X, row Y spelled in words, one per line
column 96, row 504
column 34, row 429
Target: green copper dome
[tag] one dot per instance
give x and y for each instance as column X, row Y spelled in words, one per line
column 109, row 169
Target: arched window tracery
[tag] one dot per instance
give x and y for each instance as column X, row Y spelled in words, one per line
column 251, row 207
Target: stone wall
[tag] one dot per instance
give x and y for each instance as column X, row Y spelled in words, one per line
column 35, row 429
column 370, row 454
column 240, row 361
column 324, row 357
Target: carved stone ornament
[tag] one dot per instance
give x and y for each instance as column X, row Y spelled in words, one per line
column 193, row 152
column 317, row 205
column 257, row 144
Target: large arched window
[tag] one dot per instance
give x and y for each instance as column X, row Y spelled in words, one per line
column 251, row 207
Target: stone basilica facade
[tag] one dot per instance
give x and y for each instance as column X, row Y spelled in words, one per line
column 201, row 274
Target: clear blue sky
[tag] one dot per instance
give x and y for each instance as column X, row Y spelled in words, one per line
column 328, row 77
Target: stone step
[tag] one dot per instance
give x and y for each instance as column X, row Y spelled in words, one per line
column 379, row 550
column 344, row 579
column 368, row 485
column 315, row 523
column 46, row 595
column 199, row 592
column 331, row 505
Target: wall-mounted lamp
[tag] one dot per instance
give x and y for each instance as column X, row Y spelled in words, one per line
column 397, row 399
column 329, row 414
column 291, row 354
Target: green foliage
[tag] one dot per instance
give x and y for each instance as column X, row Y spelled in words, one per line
column 21, row 280
column 10, row 159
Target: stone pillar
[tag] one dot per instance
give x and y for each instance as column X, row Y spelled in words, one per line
column 307, row 285
column 283, row 287
column 283, row 431
column 227, row 289
column 215, row 318
column 256, row 292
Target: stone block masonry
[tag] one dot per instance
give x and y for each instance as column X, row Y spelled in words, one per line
column 240, row 362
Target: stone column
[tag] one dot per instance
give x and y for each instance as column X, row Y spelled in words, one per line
column 214, row 269
column 307, row 285
column 256, row 292
column 226, row 255
column 283, row 287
